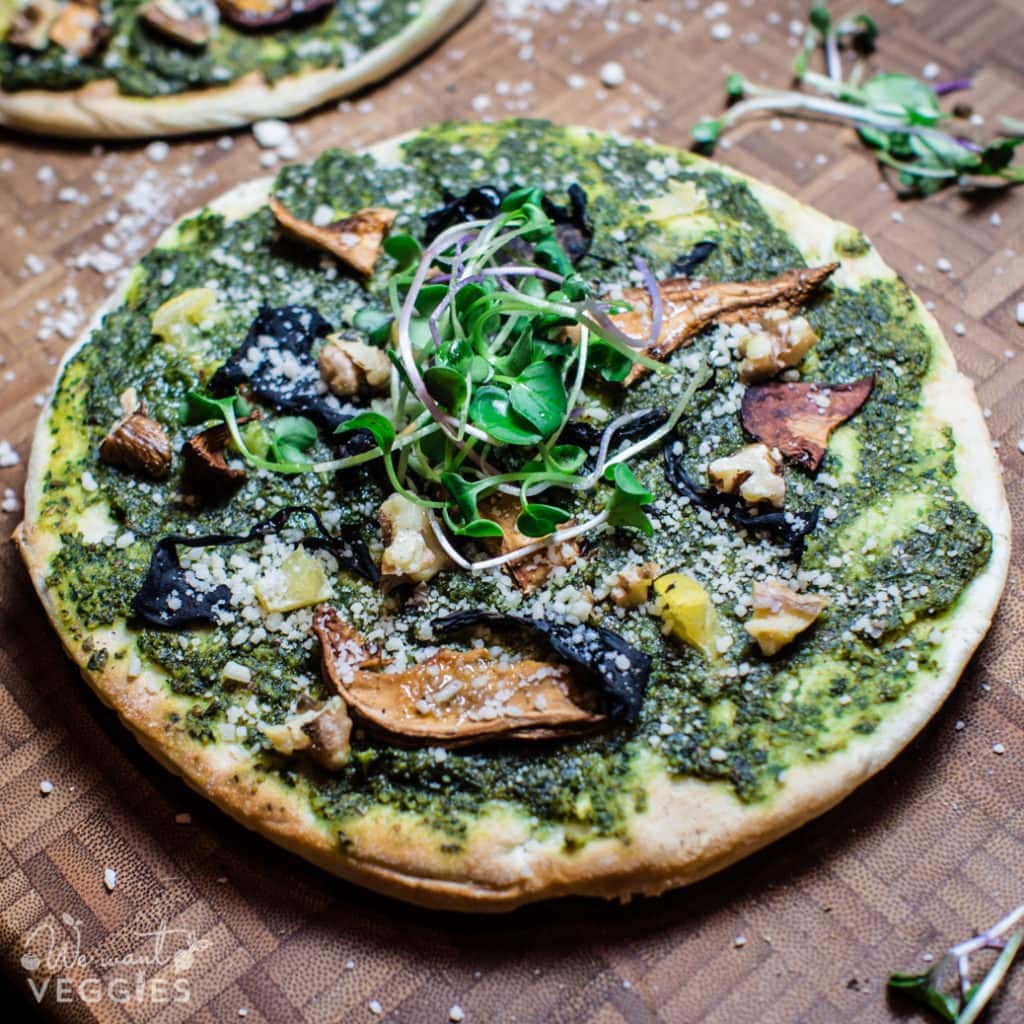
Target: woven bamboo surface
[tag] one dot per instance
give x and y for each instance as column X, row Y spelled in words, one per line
column 916, row 859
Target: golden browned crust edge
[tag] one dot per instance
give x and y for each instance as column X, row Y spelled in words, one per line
column 690, row 828
column 99, row 111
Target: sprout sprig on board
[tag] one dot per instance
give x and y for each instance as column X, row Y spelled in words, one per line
column 896, row 115
column 947, row 988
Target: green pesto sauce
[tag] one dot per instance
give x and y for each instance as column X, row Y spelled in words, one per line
column 145, row 63
column 743, row 720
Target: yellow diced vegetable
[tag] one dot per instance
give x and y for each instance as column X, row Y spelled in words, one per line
column 684, row 606
column 300, row 581
column 175, row 319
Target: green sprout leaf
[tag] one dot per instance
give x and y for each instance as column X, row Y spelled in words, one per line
column 291, row 437
column 380, row 427
column 903, row 95
column 200, row 408
column 625, row 507
column 920, row 988
column 705, row 133
column 538, row 395
column 566, row 458
column 537, row 520
column 491, row 410
column 446, row 385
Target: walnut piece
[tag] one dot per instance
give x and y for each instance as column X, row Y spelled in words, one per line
column 798, row 418
column 349, row 367
column 322, row 731
column 775, row 342
column 453, row 698
column 357, row 240
column 689, row 306
column 30, row 26
column 411, row 551
column 138, row 444
column 632, row 585
column 170, row 19
column 754, row 472
column 79, row 30
column 781, row 614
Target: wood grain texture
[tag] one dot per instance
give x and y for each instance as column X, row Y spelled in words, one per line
column 916, row 859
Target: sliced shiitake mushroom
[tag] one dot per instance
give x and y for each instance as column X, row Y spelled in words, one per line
column 529, row 572
column 205, row 458
column 453, row 698
column 266, row 13
column 139, row 444
column 357, row 240
column 689, row 306
column 170, row 19
column 798, row 418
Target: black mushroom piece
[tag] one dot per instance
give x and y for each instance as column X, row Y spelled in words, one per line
column 257, row 14
column 686, row 264
column 572, row 227
column 617, row 670
column 167, row 599
column 276, row 361
column 788, row 528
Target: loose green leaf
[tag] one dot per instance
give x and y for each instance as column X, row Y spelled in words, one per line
column 626, row 505
column 491, row 410
column 706, row 133
column 537, row 520
column 291, row 437
column 920, row 988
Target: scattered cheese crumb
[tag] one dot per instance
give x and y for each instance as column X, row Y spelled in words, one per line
column 109, row 879
column 375, row 1007
column 46, row 787
column 740, row 941
column 959, row 330
column 271, row 133
column 157, row 151
column 721, row 31
column 944, row 265
column 613, row 74
column 456, row 1014
column 998, row 748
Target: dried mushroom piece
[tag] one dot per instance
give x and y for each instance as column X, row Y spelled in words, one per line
column 529, row 572
column 798, row 418
column 322, row 731
column 775, row 342
column 30, row 26
column 781, row 614
column 412, row 553
column 453, row 698
column 170, row 19
column 79, row 30
column 205, row 459
column 754, row 472
column 689, row 306
column 265, row 13
column 139, row 444
column 350, row 367
column 357, row 240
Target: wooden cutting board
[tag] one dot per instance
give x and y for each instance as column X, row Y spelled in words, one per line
column 920, row 856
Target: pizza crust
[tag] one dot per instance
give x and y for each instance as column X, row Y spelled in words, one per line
column 99, row 111
column 690, row 828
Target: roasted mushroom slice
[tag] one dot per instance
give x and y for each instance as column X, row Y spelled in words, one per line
column 79, row 30
column 357, row 240
column 798, row 418
column 754, row 472
column 265, row 13
column 30, row 26
column 170, row 19
column 411, row 551
column 453, row 698
column 206, row 464
column 689, row 306
column 349, row 366
column 530, row 571
column 781, row 614
column 138, row 444
column 323, row 731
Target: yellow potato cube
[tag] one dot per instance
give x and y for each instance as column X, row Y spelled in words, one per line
column 299, row 581
column 685, row 607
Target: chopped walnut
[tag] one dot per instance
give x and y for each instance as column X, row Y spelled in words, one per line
column 781, row 614
column 30, row 26
column 754, row 472
column 348, row 366
column 79, row 30
column 775, row 342
column 322, row 731
column 633, row 584
column 138, row 444
column 411, row 551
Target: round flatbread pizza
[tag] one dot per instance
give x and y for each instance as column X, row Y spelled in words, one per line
column 134, row 68
column 513, row 510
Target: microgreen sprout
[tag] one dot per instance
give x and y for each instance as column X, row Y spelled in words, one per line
column 492, row 334
column 896, row 115
column 947, row 988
